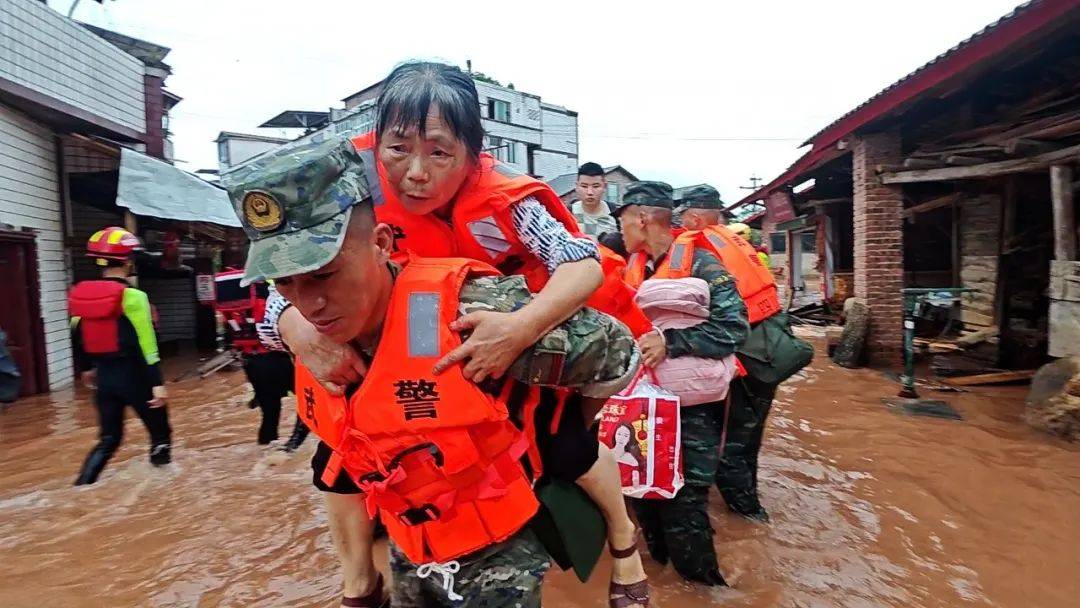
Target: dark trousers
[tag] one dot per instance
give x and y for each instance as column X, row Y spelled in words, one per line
column 736, row 475
column 272, row 376
column 678, row 529
column 116, row 390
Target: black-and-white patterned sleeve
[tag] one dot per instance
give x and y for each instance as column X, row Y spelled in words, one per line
column 267, row 329
column 548, row 239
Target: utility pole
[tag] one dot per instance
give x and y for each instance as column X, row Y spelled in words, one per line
column 754, row 181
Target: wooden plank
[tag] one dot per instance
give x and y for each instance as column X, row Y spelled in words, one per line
column 1063, row 129
column 978, row 336
column 1004, row 167
column 941, row 201
column 957, row 261
column 1061, row 197
column 1031, row 146
column 996, row 378
column 959, row 159
column 921, row 163
column 1032, row 128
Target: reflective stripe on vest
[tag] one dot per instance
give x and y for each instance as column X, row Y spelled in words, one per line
column 423, row 324
column 677, row 257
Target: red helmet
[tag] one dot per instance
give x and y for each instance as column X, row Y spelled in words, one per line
column 112, row 243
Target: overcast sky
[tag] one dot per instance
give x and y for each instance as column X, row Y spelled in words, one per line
column 685, row 92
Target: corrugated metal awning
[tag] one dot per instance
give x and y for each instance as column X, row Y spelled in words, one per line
column 152, row 187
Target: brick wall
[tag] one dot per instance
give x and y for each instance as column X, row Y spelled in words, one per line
column 979, row 235
column 879, row 246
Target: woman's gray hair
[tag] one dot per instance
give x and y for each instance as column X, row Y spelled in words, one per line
column 413, row 89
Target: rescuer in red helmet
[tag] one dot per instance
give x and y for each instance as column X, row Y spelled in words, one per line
column 116, row 351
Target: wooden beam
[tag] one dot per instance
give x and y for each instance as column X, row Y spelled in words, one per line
column 921, row 163
column 1006, row 224
column 995, row 378
column 936, row 203
column 879, row 169
column 957, row 260
column 97, row 145
column 1023, row 144
column 1061, row 197
column 1004, row 167
column 957, row 159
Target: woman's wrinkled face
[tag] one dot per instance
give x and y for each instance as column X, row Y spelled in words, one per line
column 342, row 299
column 622, row 436
column 426, row 171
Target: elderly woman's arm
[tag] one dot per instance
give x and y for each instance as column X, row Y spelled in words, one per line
column 590, row 352
column 497, row 338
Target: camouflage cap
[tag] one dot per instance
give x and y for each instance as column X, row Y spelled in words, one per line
column 295, row 205
column 702, row 197
column 648, row 194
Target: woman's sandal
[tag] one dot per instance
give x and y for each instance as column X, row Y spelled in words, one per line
column 375, row 599
column 625, row 595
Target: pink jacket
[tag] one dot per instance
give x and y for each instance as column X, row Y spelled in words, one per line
column 678, row 304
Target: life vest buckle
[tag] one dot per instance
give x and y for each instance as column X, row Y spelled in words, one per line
column 419, row 515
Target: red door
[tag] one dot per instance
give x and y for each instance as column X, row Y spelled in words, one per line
column 19, row 317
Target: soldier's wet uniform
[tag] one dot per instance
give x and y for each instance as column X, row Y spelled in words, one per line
column 678, row 530
column 590, row 352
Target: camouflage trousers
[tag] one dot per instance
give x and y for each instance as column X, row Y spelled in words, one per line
column 736, row 475
column 678, row 530
column 508, row 574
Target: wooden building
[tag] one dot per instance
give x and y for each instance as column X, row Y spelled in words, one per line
column 961, row 173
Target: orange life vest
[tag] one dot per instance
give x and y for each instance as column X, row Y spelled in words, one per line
column 435, row 455
column 755, row 283
column 481, row 211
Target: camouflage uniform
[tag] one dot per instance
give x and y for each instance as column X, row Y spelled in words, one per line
column 507, row 574
column 590, row 351
column 295, row 206
column 736, row 474
column 678, row 529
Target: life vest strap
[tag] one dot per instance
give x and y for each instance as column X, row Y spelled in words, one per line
column 497, row 476
column 333, row 468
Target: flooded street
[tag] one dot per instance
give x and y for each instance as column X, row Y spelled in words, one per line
column 869, row 508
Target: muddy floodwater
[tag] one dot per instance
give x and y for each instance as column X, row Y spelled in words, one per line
column 869, row 508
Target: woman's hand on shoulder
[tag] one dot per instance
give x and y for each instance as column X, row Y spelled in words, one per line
column 334, row 365
column 497, row 339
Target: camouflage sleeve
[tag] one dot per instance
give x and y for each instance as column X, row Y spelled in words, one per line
column 590, row 351
column 726, row 327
